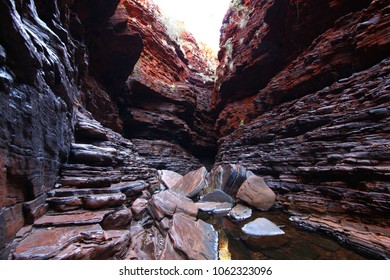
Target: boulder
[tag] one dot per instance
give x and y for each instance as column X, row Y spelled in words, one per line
column 217, row 196
column 169, row 178
column 117, row 219
column 139, row 206
column 228, row 178
column 196, row 240
column 240, row 212
column 256, row 193
column 167, row 203
column 192, row 183
column 262, row 227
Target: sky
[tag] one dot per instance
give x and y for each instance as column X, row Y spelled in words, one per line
column 203, row 18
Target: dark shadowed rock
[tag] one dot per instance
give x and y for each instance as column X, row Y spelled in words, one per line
column 192, row 183
column 11, row 221
column 256, row 193
column 63, row 204
column 35, row 208
column 217, row 196
column 196, row 240
column 227, row 177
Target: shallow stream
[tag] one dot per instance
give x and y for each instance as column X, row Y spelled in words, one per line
column 296, row 244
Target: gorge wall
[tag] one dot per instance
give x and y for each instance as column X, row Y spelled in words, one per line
column 51, row 74
column 303, row 99
column 98, row 94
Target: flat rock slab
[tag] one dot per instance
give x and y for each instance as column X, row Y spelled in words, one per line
column 256, row 193
column 196, row 240
column 262, row 227
column 192, row 183
column 215, row 207
column 103, row 200
column 46, row 243
column 167, row 203
column 240, row 212
column 130, row 188
column 77, row 218
column 169, row 178
column 63, row 204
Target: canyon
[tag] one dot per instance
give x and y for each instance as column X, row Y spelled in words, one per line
column 102, row 99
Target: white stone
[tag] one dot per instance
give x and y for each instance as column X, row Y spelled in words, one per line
column 262, row 227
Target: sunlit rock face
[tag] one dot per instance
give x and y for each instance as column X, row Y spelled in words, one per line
column 302, row 97
column 169, row 92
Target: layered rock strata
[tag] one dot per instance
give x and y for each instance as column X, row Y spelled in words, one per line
column 308, row 109
column 167, row 101
column 50, row 72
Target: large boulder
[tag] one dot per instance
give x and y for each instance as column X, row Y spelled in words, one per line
column 167, row 203
column 196, row 240
column 192, row 183
column 256, row 193
column 227, row 177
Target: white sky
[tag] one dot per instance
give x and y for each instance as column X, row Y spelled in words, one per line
column 203, row 18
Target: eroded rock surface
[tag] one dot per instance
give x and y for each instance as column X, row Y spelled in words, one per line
column 192, row 183
column 315, row 122
column 169, row 178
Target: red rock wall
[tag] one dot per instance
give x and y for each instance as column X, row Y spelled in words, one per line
column 302, row 96
column 169, row 91
column 50, row 67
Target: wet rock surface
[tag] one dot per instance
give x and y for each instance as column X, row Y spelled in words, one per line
column 240, row 212
column 262, row 227
column 314, row 125
column 311, row 119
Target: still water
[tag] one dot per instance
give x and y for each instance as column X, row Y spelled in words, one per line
column 296, row 244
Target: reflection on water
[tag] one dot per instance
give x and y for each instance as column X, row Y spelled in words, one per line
column 224, row 253
column 296, row 244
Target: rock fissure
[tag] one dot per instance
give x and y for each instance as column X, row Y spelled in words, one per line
column 117, row 136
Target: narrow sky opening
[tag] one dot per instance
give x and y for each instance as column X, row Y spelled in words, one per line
column 203, row 18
